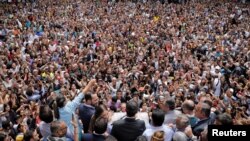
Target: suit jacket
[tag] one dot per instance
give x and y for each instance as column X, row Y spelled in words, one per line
column 85, row 114
column 91, row 57
column 93, row 137
column 200, row 126
column 128, row 129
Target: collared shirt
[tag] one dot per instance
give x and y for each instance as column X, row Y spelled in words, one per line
column 151, row 130
column 45, row 129
column 85, row 114
column 200, row 126
column 67, row 111
column 171, row 116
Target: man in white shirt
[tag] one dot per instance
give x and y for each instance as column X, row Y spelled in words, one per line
column 171, row 113
column 217, row 82
column 158, row 117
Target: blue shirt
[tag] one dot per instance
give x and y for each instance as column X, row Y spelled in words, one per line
column 85, row 114
column 67, row 111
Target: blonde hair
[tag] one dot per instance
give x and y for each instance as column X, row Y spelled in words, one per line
column 158, row 136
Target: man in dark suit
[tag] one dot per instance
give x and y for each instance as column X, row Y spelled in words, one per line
column 100, row 129
column 128, row 129
column 86, row 111
column 91, row 56
column 202, row 112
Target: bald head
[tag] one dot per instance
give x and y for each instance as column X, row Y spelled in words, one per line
column 188, row 107
column 202, row 110
column 58, row 128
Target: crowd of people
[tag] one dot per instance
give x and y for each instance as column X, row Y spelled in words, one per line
column 67, row 66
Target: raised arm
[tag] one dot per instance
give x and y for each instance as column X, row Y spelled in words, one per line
column 77, row 100
column 89, row 86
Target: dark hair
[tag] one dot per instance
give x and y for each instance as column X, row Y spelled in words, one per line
column 29, row 92
column 28, row 135
column 99, row 110
column 225, row 119
column 118, row 91
column 170, row 103
column 46, row 114
column 18, row 128
column 100, row 126
column 31, row 122
column 114, row 99
column 2, row 136
column 131, row 108
column 59, row 103
column 60, row 100
column 113, row 108
column 4, row 107
column 6, row 124
column 206, row 109
column 158, row 117
column 87, row 97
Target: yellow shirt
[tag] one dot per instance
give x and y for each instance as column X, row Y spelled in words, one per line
column 44, row 74
column 52, row 75
column 156, row 18
column 142, row 39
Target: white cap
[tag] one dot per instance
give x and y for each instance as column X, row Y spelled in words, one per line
column 166, row 73
column 231, row 90
column 217, row 68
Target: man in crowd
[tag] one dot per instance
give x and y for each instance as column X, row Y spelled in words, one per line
column 188, row 109
column 130, row 128
column 87, row 110
column 202, row 112
column 171, row 113
column 99, row 133
column 183, row 131
column 157, row 125
column 58, row 131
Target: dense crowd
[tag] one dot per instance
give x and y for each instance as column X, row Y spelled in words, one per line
column 68, row 66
